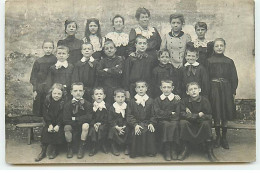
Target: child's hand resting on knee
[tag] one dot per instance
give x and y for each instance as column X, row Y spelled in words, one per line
column 50, row 129
column 151, row 128
column 56, row 128
column 138, row 129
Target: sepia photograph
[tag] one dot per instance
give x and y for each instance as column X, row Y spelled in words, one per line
column 130, row 82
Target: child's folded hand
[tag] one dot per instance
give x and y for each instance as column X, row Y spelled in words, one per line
column 73, row 118
column 151, row 128
column 50, row 129
column 201, row 114
column 188, row 111
column 138, row 129
column 56, row 128
column 96, row 126
column 105, row 69
column 177, row 97
column 34, row 95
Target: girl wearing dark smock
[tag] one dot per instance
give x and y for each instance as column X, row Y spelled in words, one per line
column 71, row 42
column 223, row 84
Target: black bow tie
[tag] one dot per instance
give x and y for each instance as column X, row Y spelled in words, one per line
column 191, row 69
column 77, row 104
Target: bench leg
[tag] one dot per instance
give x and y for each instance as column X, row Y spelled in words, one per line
column 30, row 135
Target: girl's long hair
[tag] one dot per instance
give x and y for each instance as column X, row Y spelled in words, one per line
column 88, row 33
column 49, row 96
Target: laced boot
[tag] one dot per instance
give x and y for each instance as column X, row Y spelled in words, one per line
column 70, row 151
column 218, row 137
column 52, row 151
column 224, row 141
column 167, row 151
column 210, row 152
column 42, row 153
column 185, row 152
column 174, row 155
column 81, row 151
column 114, row 149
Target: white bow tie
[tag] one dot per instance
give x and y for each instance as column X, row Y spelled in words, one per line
column 60, row 64
column 99, row 106
column 195, row 64
column 84, row 59
column 170, row 97
column 120, row 108
column 141, row 99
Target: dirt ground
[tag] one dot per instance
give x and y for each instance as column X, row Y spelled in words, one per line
column 242, row 149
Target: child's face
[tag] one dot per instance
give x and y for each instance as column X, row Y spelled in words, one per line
column 200, row 31
column 62, row 55
column 56, row 94
column 99, row 95
column 144, row 20
column 71, row 28
column 191, row 57
column 141, row 45
column 109, row 49
column 176, row 25
column 87, row 50
column 119, row 98
column 164, row 58
column 47, row 48
column 93, row 28
column 141, row 88
column 166, row 88
column 193, row 91
column 118, row 24
column 77, row 91
column 219, row 47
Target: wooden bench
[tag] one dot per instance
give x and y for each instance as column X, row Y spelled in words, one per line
column 29, row 127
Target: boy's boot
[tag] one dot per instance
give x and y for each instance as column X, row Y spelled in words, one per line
column 114, row 149
column 70, row 151
column 52, row 151
column 185, row 151
column 210, row 153
column 126, row 149
column 224, row 141
column 174, row 154
column 81, row 151
column 104, row 147
column 167, row 151
column 42, row 154
column 92, row 151
column 218, row 137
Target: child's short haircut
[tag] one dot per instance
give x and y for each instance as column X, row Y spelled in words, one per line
column 118, row 16
column 160, row 52
column 67, row 22
column 201, row 25
column 166, row 81
column 139, row 36
column 219, row 39
column 120, row 90
column 190, row 47
column 140, row 11
column 87, row 44
column 48, row 41
column 76, row 83
column 108, row 40
column 141, row 81
column 63, row 48
column 177, row 16
column 190, row 84
column 57, row 86
column 98, row 88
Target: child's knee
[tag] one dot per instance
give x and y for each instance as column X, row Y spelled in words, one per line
column 85, row 127
column 67, row 128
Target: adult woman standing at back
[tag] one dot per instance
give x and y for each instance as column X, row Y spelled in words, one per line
column 153, row 37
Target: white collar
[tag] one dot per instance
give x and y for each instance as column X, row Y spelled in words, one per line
column 99, row 106
column 147, row 33
column 170, row 97
column 195, row 64
column 120, row 108
column 78, row 99
column 141, row 99
column 199, row 43
column 84, row 59
column 60, row 64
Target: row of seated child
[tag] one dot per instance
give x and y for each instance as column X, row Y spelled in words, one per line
column 141, row 125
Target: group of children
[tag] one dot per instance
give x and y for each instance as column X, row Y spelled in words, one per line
column 95, row 91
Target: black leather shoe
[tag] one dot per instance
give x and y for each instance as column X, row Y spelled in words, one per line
column 42, row 154
column 81, row 151
column 114, row 149
column 70, row 151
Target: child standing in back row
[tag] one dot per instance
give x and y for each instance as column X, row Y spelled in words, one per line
column 39, row 74
column 175, row 41
column 223, row 83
